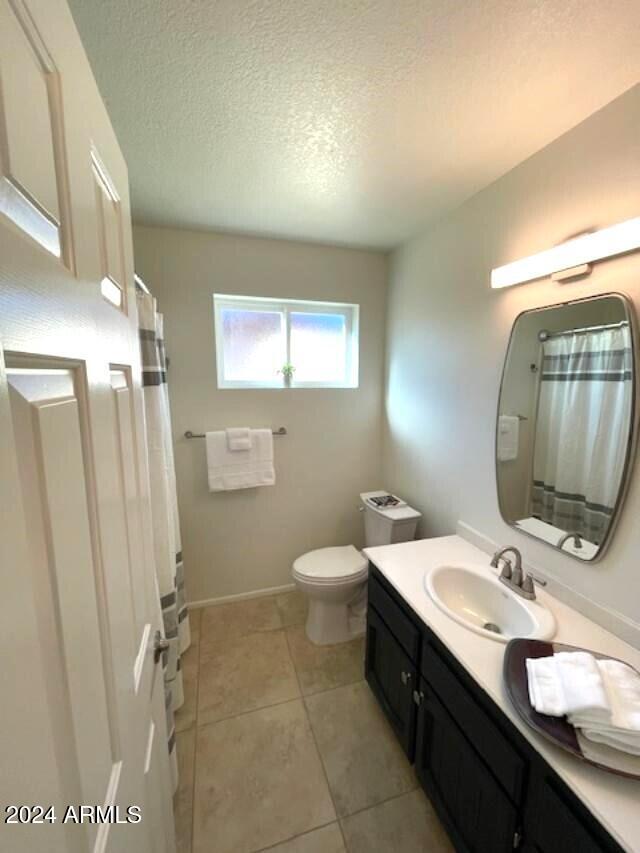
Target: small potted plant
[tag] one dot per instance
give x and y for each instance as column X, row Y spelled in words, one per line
column 287, row 370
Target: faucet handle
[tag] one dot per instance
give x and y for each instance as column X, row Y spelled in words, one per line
column 527, row 584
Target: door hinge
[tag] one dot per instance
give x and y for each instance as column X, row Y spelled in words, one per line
column 517, row 839
column 418, row 696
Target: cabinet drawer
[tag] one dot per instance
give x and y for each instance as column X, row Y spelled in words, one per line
column 500, row 756
column 402, row 627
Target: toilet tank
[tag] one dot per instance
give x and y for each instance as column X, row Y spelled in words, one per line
column 385, row 525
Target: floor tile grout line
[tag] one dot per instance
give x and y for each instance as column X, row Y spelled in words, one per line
column 380, row 803
column 299, row 835
column 250, row 711
column 301, row 697
column 315, row 742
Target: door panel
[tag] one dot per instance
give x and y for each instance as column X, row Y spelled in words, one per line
column 33, row 182
column 130, row 497
column 54, row 485
column 109, row 220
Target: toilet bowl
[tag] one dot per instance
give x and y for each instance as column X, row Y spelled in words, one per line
column 331, row 578
column 334, row 579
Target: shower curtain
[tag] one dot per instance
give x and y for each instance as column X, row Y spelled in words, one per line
column 584, row 409
column 164, row 508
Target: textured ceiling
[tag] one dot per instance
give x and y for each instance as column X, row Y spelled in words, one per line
column 344, row 121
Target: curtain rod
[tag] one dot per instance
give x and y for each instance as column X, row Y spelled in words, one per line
column 544, row 335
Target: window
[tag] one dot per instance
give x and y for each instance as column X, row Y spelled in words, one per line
column 281, row 343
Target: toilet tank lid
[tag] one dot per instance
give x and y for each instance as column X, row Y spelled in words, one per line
column 400, row 512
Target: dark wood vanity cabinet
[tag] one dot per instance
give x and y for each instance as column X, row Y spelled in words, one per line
column 491, row 789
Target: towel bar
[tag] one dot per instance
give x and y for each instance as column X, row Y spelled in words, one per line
column 189, row 434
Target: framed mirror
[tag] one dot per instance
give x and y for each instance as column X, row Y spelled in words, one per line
column 566, row 424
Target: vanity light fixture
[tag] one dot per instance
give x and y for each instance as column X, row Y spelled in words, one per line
column 574, row 256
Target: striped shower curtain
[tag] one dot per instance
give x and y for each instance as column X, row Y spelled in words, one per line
column 164, row 507
column 584, row 411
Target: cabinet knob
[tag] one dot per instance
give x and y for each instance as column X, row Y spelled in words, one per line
column 405, row 677
column 418, row 697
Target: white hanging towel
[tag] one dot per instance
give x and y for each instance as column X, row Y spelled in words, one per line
column 240, row 469
column 238, row 438
column 508, row 437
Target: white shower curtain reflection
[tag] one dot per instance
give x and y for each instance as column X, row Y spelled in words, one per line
column 164, row 507
column 584, row 411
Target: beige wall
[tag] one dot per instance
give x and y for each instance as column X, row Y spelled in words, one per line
column 448, row 331
column 238, row 542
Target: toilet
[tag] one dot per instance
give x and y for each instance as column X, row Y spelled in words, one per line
column 334, row 579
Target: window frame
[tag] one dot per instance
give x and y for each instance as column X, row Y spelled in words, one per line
column 350, row 312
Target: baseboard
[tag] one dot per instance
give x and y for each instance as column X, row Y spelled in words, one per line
column 240, row 596
column 611, row 620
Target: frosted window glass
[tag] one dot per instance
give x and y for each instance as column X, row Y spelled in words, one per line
column 254, row 345
column 318, row 347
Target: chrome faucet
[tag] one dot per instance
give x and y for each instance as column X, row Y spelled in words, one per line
column 577, row 540
column 512, row 575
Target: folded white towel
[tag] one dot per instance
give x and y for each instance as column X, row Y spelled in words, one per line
column 508, row 437
column 545, row 689
column 583, row 684
column 238, row 438
column 616, row 740
column 601, row 698
column 567, row 683
column 622, row 683
column 240, row 469
column 621, row 730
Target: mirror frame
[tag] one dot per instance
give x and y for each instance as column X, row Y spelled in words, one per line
column 632, row 438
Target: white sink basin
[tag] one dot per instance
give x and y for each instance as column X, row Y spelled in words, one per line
column 475, row 598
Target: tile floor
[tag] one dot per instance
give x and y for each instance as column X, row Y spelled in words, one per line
column 282, row 747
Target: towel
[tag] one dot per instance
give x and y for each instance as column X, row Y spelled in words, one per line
column 508, row 437
column 240, row 469
column 567, row 683
column 238, row 438
column 622, row 728
column 601, row 698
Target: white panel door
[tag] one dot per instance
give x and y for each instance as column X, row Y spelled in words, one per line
column 82, row 719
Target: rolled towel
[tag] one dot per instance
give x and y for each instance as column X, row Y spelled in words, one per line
column 238, row 438
column 567, row 683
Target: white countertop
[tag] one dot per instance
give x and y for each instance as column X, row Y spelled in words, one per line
column 613, row 800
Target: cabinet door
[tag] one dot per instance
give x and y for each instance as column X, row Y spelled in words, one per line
column 556, row 821
column 478, row 814
column 392, row 677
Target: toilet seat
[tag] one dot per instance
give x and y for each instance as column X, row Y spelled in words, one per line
column 344, row 564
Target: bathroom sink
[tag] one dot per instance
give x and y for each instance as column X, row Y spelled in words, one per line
column 474, row 597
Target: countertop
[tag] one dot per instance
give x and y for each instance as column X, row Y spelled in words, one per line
column 613, row 800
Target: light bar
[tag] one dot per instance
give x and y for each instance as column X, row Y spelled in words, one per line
column 615, row 240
